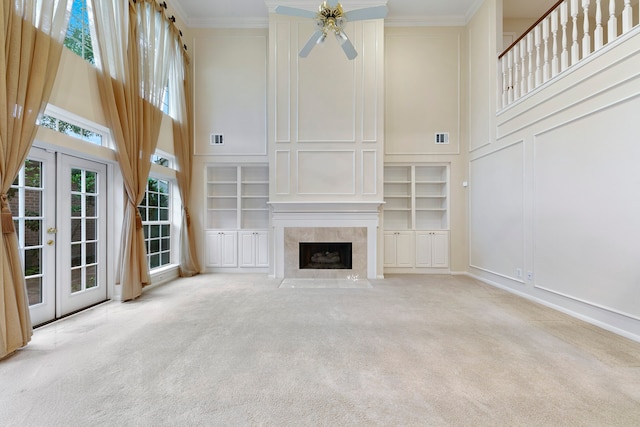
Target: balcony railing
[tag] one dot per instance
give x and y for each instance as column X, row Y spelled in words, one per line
column 567, row 34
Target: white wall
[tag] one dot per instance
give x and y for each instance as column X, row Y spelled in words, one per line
column 554, row 193
column 425, row 71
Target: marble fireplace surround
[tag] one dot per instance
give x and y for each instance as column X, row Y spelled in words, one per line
column 355, row 222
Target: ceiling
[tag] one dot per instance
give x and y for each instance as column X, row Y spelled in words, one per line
column 253, row 13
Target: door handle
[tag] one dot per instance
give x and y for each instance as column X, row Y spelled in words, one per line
column 52, row 230
column 50, row 242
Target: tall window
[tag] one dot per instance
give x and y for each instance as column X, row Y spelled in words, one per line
column 79, row 32
column 155, row 210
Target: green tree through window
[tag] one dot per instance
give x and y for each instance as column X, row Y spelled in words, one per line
column 78, row 37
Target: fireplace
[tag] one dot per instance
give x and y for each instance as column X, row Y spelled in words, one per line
column 353, row 223
column 325, row 255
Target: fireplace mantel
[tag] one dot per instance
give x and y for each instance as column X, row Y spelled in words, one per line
column 305, row 214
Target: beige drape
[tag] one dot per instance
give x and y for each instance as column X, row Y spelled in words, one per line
column 180, row 98
column 134, row 52
column 30, row 52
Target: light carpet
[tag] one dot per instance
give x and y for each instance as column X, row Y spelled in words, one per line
column 239, row 350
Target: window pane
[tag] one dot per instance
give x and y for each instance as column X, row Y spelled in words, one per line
column 90, row 207
column 32, row 203
column 76, row 230
column 76, row 280
column 154, row 261
column 92, row 276
column 155, row 231
column 32, row 233
column 165, row 258
column 166, row 244
column 76, row 255
column 32, row 174
column 76, row 205
column 34, row 290
column 90, row 182
column 91, row 228
column 32, row 262
column 76, row 180
column 91, row 253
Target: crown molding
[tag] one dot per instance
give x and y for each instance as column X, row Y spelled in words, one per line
column 426, row 21
column 313, row 4
column 256, row 22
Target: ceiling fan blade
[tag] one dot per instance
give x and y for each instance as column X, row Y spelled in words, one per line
column 348, row 48
column 294, row 11
column 315, row 38
column 377, row 12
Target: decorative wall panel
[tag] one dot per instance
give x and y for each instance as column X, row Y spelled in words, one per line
column 326, row 172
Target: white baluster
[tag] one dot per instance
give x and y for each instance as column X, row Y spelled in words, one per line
column 598, row 32
column 575, row 46
column 627, row 16
column 538, row 39
column 564, row 19
column 546, row 67
column 531, row 82
column 586, row 38
column 555, row 63
column 503, row 62
column 523, row 67
column 516, row 71
column 613, row 22
column 510, row 76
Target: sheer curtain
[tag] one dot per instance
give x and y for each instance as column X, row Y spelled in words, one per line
column 134, row 57
column 34, row 31
column 180, row 99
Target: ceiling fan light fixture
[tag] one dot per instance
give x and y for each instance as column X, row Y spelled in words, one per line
column 331, row 17
column 341, row 37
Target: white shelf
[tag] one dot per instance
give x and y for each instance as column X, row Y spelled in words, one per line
column 416, row 197
column 237, row 197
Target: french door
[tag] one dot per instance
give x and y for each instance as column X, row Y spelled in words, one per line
column 59, row 208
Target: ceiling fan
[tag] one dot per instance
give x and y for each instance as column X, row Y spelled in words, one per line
column 330, row 18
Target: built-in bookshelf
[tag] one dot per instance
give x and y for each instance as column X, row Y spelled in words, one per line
column 416, row 197
column 237, row 197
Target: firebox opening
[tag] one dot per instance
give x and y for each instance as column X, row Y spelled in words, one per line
column 325, row 255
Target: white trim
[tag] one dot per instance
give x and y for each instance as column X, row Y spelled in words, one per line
column 609, row 326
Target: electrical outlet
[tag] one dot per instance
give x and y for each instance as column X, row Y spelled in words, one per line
column 519, row 273
column 529, row 275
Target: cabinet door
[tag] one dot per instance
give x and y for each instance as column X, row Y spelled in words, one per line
column 247, row 249
column 405, row 251
column 229, row 249
column 221, row 249
column 262, row 248
column 440, row 249
column 424, row 251
column 254, row 248
column 212, row 249
column 389, row 249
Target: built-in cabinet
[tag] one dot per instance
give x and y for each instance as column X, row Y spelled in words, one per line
column 254, row 248
column 416, row 217
column 237, row 217
column 398, row 248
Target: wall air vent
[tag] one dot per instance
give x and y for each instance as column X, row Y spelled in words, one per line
column 217, row 139
column 442, row 138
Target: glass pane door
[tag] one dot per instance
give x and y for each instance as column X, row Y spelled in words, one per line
column 81, row 233
column 32, row 202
